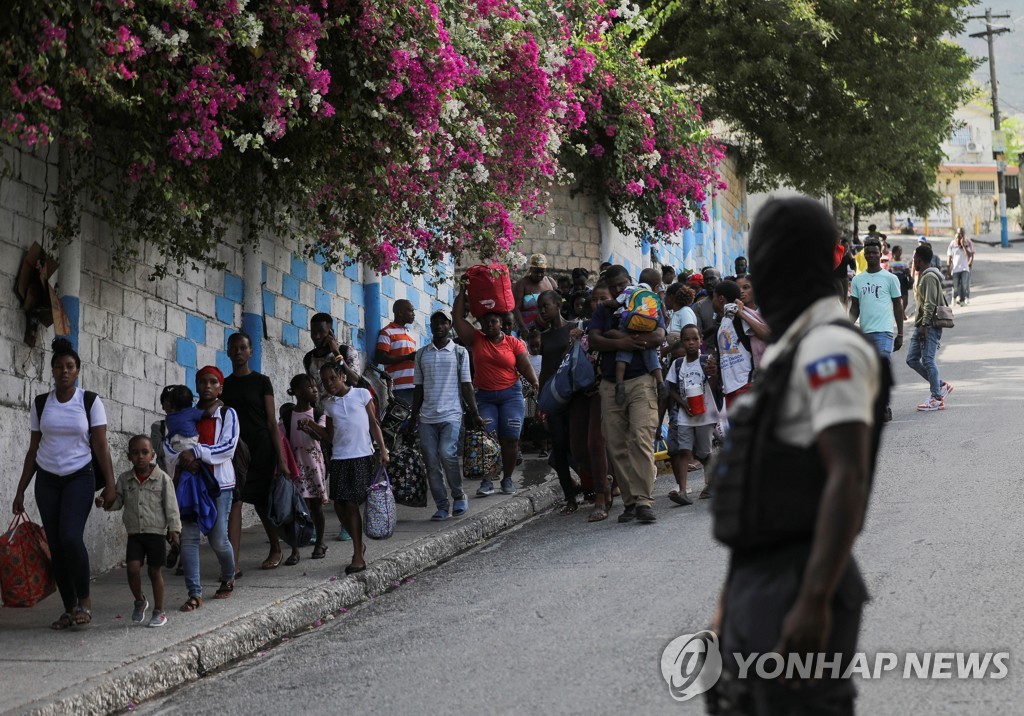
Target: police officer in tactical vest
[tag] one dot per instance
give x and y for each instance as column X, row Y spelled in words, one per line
column 793, row 478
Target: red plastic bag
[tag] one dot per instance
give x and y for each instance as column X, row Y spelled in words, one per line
column 25, row 573
column 490, row 290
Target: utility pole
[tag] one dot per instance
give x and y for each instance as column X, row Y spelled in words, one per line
column 1000, row 157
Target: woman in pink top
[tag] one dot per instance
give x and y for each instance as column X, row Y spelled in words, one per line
column 498, row 361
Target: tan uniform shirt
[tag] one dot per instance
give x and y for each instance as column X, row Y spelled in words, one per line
column 834, row 378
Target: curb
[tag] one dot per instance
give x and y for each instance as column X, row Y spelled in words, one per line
column 178, row 665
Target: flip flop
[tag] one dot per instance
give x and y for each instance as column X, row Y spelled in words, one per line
column 63, row 622
column 81, row 616
column 292, row 560
column 598, row 514
column 319, row 552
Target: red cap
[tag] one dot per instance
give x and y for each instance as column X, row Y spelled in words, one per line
column 697, row 278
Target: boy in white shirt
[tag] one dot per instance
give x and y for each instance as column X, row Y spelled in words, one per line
column 691, row 425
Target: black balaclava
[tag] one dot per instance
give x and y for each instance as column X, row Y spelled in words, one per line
column 792, row 244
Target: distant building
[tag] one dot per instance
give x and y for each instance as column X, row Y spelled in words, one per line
column 967, row 179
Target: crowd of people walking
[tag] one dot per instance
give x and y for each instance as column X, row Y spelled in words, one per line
column 674, row 352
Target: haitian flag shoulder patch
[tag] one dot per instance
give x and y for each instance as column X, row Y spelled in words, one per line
column 828, row 369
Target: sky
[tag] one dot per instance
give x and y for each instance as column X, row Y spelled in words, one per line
column 1009, row 57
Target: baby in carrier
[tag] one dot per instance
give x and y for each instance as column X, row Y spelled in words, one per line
column 637, row 309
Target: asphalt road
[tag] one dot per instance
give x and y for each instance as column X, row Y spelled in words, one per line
column 564, row 617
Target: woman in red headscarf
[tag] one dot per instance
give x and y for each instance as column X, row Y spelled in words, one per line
column 218, row 438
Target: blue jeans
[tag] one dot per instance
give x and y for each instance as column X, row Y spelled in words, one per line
column 883, row 342
column 64, row 503
column 504, row 408
column 921, row 357
column 962, row 285
column 650, row 356
column 218, row 538
column 441, row 454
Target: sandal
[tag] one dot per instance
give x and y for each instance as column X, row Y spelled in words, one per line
column 193, row 603
column 694, row 467
column 270, row 563
column 320, row 551
column 292, row 560
column 569, row 508
column 225, row 590
column 63, row 622
column 81, row 616
column 352, row 569
column 599, row 513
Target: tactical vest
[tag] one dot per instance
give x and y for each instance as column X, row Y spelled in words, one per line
column 767, row 493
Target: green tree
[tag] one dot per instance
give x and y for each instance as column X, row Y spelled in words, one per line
column 845, row 97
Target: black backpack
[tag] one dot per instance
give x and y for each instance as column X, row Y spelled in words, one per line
column 99, row 480
column 767, row 493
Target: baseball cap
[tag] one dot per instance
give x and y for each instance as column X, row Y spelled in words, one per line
column 538, row 261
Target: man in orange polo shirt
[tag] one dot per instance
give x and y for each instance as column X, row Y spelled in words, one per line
column 395, row 349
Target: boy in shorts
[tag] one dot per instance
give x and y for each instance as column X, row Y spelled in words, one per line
column 151, row 517
column 689, row 432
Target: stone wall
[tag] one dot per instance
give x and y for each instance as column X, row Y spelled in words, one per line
column 136, row 336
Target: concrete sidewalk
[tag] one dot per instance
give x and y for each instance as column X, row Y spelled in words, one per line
column 113, row 664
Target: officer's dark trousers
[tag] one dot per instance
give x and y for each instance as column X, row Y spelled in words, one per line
column 760, row 591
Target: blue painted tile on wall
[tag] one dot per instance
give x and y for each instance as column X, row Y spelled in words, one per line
column 387, row 286
column 357, row 294
column 290, row 335
column 300, row 269
column 268, row 303
column 290, row 287
column 330, row 281
column 323, row 301
column 233, row 288
column 225, row 310
column 195, row 328
column 351, row 313
column 352, row 272
column 319, row 259
column 185, row 353
column 190, row 381
column 436, row 306
column 300, row 315
column 406, row 275
column 223, row 363
column 264, row 279
column 412, row 295
column 228, row 332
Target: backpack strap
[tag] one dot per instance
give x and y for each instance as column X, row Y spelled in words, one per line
column 40, row 404
column 90, row 400
column 287, row 410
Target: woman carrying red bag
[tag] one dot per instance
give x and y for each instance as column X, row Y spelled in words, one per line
column 64, row 440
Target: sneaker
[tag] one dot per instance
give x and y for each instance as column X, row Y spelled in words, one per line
column 139, row 613
column 680, row 498
column 460, row 506
column 343, row 535
column 947, row 388
column 628, row 514
column 508, row 487
column 931, row 404
column 439, row 516
column 159, row 619
column 486, row 488
column 645, row 515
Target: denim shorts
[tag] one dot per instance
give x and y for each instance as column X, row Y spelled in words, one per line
column 504, row 408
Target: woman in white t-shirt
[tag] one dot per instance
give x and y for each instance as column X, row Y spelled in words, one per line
column 351, row 423
column 63, row 442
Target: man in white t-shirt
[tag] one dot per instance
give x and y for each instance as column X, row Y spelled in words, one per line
column 960, row 258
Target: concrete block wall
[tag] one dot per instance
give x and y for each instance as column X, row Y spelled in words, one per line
column 136, row 335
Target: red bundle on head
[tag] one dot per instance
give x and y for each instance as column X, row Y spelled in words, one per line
column 210, row 370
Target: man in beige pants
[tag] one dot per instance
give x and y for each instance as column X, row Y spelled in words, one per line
column 629, row 429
